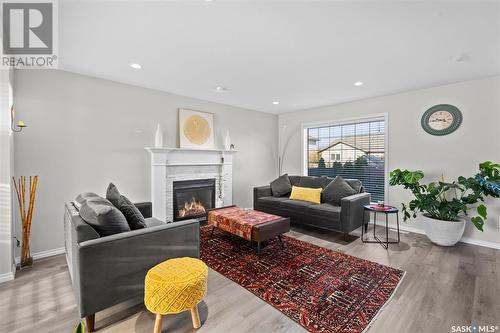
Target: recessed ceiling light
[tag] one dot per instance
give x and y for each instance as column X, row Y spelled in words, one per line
column 220, row 89
column 276, row 102
column 135, row 66
column 463, row 57
column 358, row 84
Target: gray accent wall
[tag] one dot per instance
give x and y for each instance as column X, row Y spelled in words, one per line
column 85, row 132
column 410, row 147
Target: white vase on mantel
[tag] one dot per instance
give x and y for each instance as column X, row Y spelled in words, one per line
column 158, row 137
column 227, row 142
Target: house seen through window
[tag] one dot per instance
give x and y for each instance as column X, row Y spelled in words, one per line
column 351, row 150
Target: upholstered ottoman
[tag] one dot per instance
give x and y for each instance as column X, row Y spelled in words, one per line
column 174, row 286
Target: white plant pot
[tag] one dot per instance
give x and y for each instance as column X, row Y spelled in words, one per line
column 444, row 233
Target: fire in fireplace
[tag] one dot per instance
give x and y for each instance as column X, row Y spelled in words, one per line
column 192, row 198
column 194, row 207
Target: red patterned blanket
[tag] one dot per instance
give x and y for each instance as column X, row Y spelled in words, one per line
column 238, row 221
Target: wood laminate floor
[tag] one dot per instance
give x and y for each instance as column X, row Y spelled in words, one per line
column 442, row 287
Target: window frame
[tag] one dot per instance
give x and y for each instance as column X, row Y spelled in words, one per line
column 346, row 121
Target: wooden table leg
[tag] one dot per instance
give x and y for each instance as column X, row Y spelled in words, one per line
column 195, row 317
column 158, row 320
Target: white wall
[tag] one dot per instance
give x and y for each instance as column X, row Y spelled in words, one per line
column 6, row 169
column 409, row 147
column 84, row 132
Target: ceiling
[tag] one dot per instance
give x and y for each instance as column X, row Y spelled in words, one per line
column 303, row 54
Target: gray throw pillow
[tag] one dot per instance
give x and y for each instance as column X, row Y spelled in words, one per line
column 281, row 186
column 336, row 190
column 112, row 194
column 312, row 182
column 103, row 216
column 134, row 217
column 82, row 197
column 355, row 183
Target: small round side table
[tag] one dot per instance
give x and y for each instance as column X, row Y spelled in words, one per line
column 381, row 209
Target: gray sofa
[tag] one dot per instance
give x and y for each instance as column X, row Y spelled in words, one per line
column 346, row 217
column 109, row 270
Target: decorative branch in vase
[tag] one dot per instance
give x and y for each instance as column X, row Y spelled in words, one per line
column 26, row 215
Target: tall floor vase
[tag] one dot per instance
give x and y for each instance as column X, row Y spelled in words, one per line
column 26, row 214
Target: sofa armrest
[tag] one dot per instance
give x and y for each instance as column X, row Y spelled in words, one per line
column 352, row 211
column 258, row 192
column 112, row 269
column 146, row 208
column 262, row 191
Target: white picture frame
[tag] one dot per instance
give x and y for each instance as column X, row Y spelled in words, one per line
column 196, row 129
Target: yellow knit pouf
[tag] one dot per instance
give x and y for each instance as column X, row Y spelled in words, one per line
column 174, row 286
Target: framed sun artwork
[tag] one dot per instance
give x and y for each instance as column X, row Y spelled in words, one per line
column 196, row 129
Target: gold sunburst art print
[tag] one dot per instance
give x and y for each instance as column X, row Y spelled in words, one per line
column 195, row 129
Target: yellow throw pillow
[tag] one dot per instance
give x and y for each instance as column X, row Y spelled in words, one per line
column 306, row 194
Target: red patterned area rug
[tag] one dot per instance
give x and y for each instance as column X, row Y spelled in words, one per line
column 322, row 290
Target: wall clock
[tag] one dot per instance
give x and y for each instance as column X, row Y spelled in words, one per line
column 441, row 119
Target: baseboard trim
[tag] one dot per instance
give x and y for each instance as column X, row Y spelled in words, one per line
column 7, row 277
column 44, row 254
column 479, row 242
column 466, row 240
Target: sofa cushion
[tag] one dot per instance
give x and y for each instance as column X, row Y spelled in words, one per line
column 272, row 201
column 306, row 194
column 105, row 218
column 295, row 205
column 325, row 210
column 336, row 190
column 134, row 217
column 153, row 222
column 294, row 180
column 281, row 186
column 312, row 182
column 325, row 216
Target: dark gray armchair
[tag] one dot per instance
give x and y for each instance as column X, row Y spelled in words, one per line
column 346, row 217
column 109, row 270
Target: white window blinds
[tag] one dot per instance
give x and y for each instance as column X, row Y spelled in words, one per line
column 351, row 150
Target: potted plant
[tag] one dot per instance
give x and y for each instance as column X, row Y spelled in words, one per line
column 445, row 205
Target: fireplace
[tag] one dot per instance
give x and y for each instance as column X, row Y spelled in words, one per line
column 192, row 198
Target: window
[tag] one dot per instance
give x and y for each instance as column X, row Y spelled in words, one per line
column 335, row 157
column 351, row 150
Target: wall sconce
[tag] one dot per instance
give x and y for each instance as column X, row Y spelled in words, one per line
column 20, row 124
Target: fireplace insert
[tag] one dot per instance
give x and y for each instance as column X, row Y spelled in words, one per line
column 192, row 198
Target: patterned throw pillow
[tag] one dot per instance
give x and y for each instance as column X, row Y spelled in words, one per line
column 134, row 217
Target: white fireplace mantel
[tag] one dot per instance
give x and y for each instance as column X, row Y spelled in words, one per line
column 174, row 164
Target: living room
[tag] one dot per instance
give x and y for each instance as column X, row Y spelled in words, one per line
column 254, row 166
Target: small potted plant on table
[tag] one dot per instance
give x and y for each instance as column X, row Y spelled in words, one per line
column 444, row 205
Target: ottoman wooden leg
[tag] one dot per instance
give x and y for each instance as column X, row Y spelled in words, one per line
column 195, row 317
column 158, row 320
